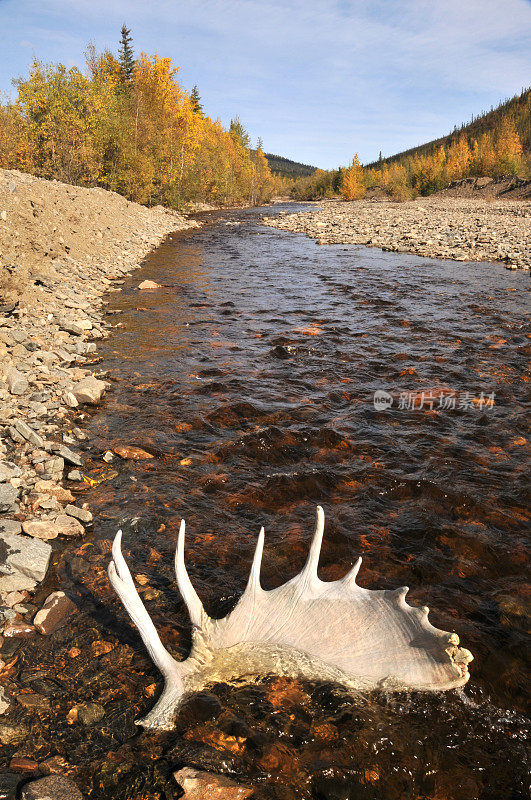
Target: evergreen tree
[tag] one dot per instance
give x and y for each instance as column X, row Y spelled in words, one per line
column 238, row 133
column 260, row 144
column 125, row 54
column 197, row 106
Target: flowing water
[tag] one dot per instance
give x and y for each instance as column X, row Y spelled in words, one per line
column 250, row 378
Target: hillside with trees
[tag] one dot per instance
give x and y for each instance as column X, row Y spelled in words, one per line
column 495, row 144
column 126, row 124
column 287, row 168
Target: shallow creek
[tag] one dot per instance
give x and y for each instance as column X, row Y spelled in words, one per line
column 250, row 378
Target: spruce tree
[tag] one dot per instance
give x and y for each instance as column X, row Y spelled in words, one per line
column 196, row 101
column 125, row 54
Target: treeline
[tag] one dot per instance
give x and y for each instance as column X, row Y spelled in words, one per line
column 126, row 124
column 498, row 150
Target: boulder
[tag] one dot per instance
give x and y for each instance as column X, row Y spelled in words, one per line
column 57, row 609
column 89, row 390
column 23, row 562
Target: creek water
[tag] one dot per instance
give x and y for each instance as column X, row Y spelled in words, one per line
column 250, row 378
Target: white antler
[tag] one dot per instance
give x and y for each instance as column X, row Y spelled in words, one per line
column 123, row 585
column 333, row 631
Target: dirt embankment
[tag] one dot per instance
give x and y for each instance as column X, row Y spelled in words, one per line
column 61, row 248
column 438, row 227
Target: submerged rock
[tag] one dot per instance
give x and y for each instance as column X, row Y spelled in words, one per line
column 53, row 787
column 199, row 785
column 57, row 609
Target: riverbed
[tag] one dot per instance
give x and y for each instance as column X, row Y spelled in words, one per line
column 250, row 377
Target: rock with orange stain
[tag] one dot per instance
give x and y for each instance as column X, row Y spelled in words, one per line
column 217, row 739
column 74, row 652
column 185, row 462
column 371, row 774
column 132, row 452
column 142, row 579
column 324, row 731
column 199, row 785
column 519, row 441
column 100, row 648
column 278, row 758
column 409, row 371
column 285, row 693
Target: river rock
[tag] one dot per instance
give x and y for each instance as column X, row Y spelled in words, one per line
column 67, row 454
column 8, row 785
column 23, row 562
column 41, row 529
column 79, row 513
column 89, row 390
column 69, row 526
column 8, row 471
column 149, row 285
column 90, row 713
column 4, row 705
column 8, row 498
column 53, row 787
column 16, row 382
column 27, row 433
column 57, row 609
column 10, row 526
column 199, row 785
column 11, row 733
column 134, row 453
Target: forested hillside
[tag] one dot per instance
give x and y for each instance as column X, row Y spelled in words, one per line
column 126, row 124
column 488, row 122
column 494, row 144
column 287, row 168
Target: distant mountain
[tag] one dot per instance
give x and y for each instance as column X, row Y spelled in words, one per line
column 287, row 168
column 518, row 107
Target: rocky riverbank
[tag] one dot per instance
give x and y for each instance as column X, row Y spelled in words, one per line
column 438, row 227
column 61, row 248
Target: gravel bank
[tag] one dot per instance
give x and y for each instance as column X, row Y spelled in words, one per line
column 438, row 227
column 61, row 248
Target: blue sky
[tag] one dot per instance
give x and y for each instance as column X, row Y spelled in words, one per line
column 317, row 80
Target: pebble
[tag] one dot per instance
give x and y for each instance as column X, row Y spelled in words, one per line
column 8, row 786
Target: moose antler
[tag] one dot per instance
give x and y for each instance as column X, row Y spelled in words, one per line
column 334, row 631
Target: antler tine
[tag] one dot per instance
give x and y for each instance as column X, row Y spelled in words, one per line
column 189, row 594
column 350, row 577
column 310, row 568
column 123, row 585
column 253, row 584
